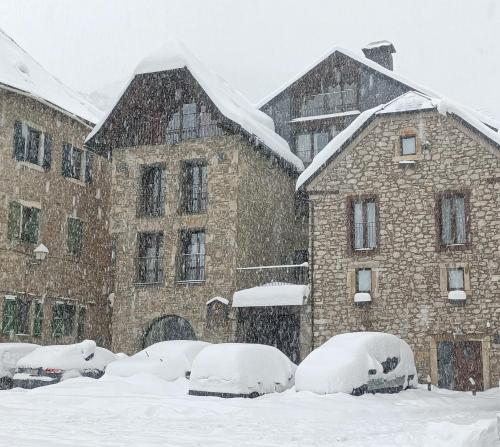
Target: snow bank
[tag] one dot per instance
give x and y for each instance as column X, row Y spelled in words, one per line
column 20, row 71
column 10, row 353
column 482, row 433
column 67, row 357
column 168, row 360
column 230, row 102
column 342, row 363
column 271, row 295
column 241, row 369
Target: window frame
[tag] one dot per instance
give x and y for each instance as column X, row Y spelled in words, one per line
column 357, row 289
column 65, row 317
column 185, row 242
column 458, row 268
column 74, row 247
column 158, row 210
column 44, row 147
column 159, row 269
column 402, row 138
column 20, row 317
column 188, row 187
column 19, row 221
column 440, row 246
column 351, row 200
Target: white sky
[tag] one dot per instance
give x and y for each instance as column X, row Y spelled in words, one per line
column 451, row 46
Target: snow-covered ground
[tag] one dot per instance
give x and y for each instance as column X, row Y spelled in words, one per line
column 147, row 411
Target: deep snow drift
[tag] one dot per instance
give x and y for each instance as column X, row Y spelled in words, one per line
column 147, row 411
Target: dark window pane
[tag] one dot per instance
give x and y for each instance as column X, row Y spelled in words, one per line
column 192, row 263
column 365, row 224
column 150, row 259
column 30, row 225
column 33, row 146
column 195, row 187
column 453, row 220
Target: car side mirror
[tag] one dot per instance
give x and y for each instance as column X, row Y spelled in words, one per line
column 91, row 356
column 372, row 372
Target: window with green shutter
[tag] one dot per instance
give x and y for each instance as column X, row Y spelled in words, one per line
column 75, row 235
column 31, row 145
column 57, row 319
column 38, row 319
column 14, row 229
column 80, row 329
column 24, row 223
column 9, row 315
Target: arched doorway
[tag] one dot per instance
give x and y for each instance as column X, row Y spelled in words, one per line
column 170, row 327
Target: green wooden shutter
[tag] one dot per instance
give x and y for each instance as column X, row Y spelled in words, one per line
column 14, row 220
column 80, row 330
column 66, row 160
column 19, row 142
column 75, row 233
column 37, row 321
column 9, row 315
column 89, row 166
column 31, row 224
column 47, row 152
column 57, row 319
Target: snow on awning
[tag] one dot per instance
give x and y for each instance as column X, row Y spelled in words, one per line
column 272, row 295
column 219, row 299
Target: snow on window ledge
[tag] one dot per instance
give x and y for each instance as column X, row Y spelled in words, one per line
column 362, row 297
column 457, row 295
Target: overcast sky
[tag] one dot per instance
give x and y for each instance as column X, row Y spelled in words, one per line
column 451, row 46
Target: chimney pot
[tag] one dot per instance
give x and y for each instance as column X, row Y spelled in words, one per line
column 381, row 53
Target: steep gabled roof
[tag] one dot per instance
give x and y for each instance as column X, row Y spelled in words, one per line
column 408, row 102
column 378, row 68
column 21, row 73
column 230, row 102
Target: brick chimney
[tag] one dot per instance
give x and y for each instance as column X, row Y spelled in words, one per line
column 380, row 52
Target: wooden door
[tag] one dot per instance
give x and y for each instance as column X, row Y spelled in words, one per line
column 468, row 364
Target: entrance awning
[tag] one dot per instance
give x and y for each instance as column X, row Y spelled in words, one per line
column 272, row 294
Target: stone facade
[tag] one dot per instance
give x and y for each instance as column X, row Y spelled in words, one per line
column 245, row 225
column 409, row 288
column 80, row 281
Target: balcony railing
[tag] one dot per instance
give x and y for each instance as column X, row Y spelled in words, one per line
column 276, row 274
column 149, row 270
column 174, row 136
column 192, row 267
column 196, row 199
column 326, row 103
column 365, row 235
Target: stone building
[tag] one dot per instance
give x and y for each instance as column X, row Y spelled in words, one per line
column 202, row 186
column 54, row 195
column 405, row 236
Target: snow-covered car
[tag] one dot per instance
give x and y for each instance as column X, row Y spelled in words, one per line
column 240, row 370
column 168, row 360
column 358, row 363
column 10, row 353
column 47, row 365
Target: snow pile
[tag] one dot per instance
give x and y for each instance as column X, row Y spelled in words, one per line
column 80, row 356
column 342, row 363
column 410, row 101
column 241, row 369
column 10, row 353
column 230, row 102
column 168, row 360
column 271, row 295
column 457, row 295
column 19, row 71
column 482, row 433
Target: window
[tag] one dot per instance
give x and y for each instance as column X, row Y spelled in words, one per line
column 192, row 262
column 151, row 195
column 150, row 258
column 75, row 236
column 63, row 318
column 24, row 223
column 80, row 327
column 38, row 319
column 71, row 161
column 336, row 100
column 408, row 145
column 364, row 218
column 453, row 219
column 195, row 187
column 363, row 280
column 32, row 146
column 309, row 144
column 16, row 315
column 456, row 279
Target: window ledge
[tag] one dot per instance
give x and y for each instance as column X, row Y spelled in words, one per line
column 75, row 181
column 148, row 284
column 32, row 166
column 193, row 281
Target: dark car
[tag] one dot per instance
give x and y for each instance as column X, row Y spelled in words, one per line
column 10, row 353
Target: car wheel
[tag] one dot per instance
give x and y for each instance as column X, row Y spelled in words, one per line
column 5, row 383
column 253, row 395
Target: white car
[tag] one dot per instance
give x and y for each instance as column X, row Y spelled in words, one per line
column 10, row 353
column 168, row 360
column 47, row 365
column 240, row 370
column 357, row 363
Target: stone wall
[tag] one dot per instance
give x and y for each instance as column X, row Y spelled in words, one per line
column 81, row 279
column 410, row 299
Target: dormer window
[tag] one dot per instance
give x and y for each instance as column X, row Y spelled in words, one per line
column 408, row 145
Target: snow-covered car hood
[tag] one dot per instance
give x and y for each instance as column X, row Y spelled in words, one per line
column 66, row 357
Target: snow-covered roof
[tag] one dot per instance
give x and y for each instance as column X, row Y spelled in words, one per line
column 271, row 295
column 21, row 73
column 230, row 102
column 218, row 299
column 378, row 68
column 408, row 102
column 303, row 119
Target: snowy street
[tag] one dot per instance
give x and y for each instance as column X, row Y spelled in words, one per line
column 146, row 411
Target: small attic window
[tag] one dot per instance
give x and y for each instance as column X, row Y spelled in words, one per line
column 408, row 145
